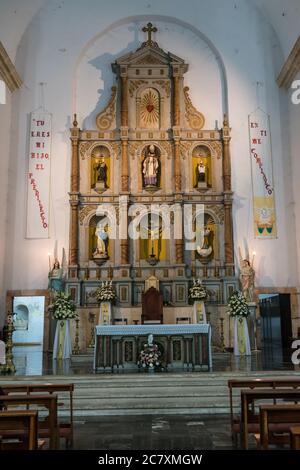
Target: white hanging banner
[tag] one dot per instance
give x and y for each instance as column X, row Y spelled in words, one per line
column 262, row 175
column 38, row 194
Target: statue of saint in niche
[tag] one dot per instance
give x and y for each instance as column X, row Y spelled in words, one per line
column 151, row 167
column 100, row 169
column 102, row 240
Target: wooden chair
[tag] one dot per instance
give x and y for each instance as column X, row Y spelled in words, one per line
column 249, row 419
column 275, row 423
column 49, row 424
column 20, row 428
column 66, row 429
column 295, row 438
column 271, row 383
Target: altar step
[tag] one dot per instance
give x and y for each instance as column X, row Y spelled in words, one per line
column 158, row 393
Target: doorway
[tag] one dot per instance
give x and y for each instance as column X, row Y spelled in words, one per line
column 276, row 328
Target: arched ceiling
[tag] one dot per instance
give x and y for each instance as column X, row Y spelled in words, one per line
column 16, row 15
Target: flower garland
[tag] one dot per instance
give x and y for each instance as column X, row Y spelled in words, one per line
column 238, row 306
column 197, row 291
column 63, row 307
column 150, row 356
column 105, row 292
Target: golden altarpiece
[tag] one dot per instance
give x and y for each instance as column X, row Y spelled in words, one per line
column 149, row 147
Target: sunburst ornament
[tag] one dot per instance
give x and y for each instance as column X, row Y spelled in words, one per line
column 150, row 109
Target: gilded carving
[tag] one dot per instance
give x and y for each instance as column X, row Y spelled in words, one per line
column 116, row 147
column 133, row 147
column 167, row 148
column 134, row 85
column 195, row 119
column 85, row 211
column 165, row 84
column 218, row 210
column 217, row 147
column 150, row 59
column 84, row 148
column 105, row 119
column 185, row 149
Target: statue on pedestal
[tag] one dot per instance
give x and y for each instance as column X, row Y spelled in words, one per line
column 56, row 277
column 247, row 275
column 150, row 167
column 102, row 240
column 101, row 174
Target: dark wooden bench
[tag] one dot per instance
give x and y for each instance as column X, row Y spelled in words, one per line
column 25, row 426
column 271, row 383
column 48, row 427
column 66, row 429
column 295, row 437
column 249, row 418
column 275, row 423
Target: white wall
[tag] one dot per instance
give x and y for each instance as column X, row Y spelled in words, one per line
column 61, row 46
column 5, row 120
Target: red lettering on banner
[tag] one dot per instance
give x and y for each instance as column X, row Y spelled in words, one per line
column 40, row 204
column 258, row 160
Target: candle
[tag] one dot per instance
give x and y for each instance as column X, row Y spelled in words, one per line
column 49, row 255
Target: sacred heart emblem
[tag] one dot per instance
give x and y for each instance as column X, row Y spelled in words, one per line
column 150, row 108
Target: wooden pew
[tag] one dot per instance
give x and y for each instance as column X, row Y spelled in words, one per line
column 22, row 425
column 46, row 401
column 295, row 438
column 249, row 419
column 253, row 384
column 66, row 429
column 277, row 419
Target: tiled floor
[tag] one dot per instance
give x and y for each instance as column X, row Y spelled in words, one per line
column 31, row 361
column 153, row 432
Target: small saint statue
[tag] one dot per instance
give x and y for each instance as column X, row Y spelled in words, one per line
column 201, row 175
column 247, row 275
column 102, row 240
column 55, row 276
column 150, row 340
column 150, row 167
column 101, row 174
column 206, row 249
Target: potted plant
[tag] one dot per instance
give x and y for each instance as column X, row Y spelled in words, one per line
column 63, row 310
column 239, row 310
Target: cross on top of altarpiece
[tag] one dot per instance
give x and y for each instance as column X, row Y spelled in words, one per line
column 149, row 29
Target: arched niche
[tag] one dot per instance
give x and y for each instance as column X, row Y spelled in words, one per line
column 149, row 109
column 99, row 241
column 100, row 168
column 151, row 167
column 152, row 241
column 201, row 167
column 206, row 240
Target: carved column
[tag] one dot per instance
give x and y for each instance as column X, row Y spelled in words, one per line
column 123, row 224
column 176, row 129
column 177, row 101
column 228, row 198
column 74, row 201
column 178, row 233
column 125, row 176
column 177, row 169
column 124, row 101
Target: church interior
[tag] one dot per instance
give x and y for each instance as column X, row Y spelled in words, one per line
column 150, row 205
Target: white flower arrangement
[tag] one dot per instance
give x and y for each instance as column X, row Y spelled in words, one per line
column 63, row 307
column 197, row 291
column 106, row 292
column 238, row 306
column 150, row 356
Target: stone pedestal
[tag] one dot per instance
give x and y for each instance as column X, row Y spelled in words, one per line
column 251, row 320
column 100, row 186
column 105, row 317
column 202, row 185
column 199, row 315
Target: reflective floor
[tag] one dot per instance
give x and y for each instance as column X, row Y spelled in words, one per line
column 153, row 432
column 30, row 360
